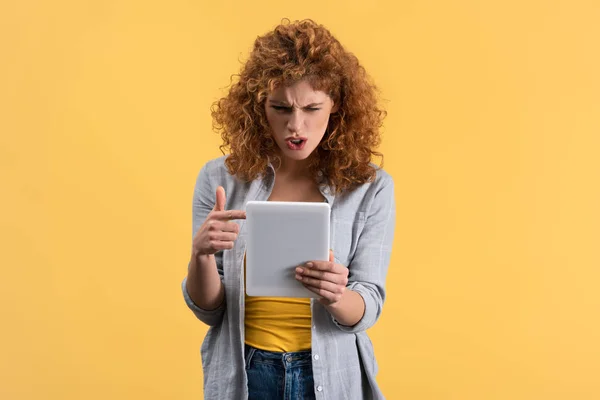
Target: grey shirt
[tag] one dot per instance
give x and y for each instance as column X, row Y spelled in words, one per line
column 362, row 232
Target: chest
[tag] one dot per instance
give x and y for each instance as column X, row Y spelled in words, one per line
column 305, row 191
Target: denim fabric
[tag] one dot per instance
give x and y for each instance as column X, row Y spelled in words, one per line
column 279, row 376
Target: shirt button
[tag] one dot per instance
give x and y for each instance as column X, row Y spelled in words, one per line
column 319, row 388
column 316, row 356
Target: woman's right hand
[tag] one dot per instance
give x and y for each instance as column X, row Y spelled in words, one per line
column 218, row 232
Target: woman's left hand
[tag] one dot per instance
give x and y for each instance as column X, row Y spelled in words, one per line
column 325, row 278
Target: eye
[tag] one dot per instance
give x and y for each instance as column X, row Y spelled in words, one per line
column 312, row 109
column 281, row 108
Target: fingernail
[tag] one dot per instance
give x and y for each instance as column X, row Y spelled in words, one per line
column 309, row 265
column 298, row 277
column 299, row 270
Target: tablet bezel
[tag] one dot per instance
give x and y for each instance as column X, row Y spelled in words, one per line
column 273, row 228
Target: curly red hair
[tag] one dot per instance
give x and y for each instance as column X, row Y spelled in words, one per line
column 292, row 52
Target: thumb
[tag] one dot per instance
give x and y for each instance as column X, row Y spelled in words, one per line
column 331, row 259
column 220, row 204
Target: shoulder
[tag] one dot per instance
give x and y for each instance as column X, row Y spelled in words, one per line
column 378, row 196
column 216, row 170
column 382, row 181
column 382, row 178
column 377, row 193
column 214, row 173
column 215, row 166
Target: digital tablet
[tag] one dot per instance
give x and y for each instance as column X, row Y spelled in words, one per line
column 280, row 237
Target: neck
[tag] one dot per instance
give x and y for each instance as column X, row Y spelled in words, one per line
column 293, row 168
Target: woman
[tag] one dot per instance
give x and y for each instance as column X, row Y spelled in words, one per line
column 301, row 124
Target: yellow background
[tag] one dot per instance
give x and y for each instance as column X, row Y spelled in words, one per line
column 492, row 139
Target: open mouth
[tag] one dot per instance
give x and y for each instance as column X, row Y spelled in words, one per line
column 296, row 144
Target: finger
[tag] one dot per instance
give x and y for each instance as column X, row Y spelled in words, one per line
column 325, row 294
column 339, row 279
column 229, row 215
column 320, row 284
column 327, row 266
column 231, row 227
column 220, row 203
column 222, row 236
column 221, row 245
column 215, row 225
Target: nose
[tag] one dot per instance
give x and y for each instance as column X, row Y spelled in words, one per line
column 294, row 123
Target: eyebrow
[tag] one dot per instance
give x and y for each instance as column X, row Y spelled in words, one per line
column 283, row 103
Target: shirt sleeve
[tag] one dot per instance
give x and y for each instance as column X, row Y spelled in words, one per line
column 202, row 205
column 209, row 317
column 369, row 266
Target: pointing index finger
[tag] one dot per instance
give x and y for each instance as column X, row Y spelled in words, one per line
column 321, row 265
column 230, row 214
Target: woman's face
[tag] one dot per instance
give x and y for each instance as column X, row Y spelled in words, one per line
column 298, row 116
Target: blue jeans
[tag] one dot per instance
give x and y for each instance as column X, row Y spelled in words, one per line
column 279, row 376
